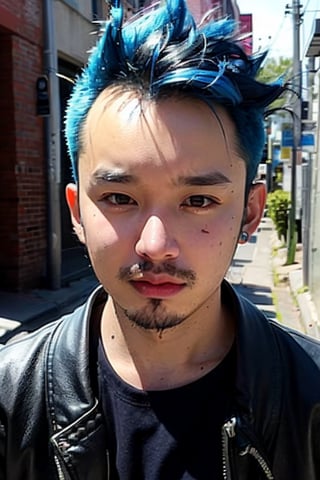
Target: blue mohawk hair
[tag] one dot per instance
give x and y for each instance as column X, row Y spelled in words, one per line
column 161, row 50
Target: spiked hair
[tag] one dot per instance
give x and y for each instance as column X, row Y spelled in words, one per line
column 162, row 51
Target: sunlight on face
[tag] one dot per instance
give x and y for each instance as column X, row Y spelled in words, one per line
column 161, row 190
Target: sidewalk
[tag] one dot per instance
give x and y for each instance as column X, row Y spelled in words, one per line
column 274, row 287
column 289, row 283
column 21, row 312
column 253, row 273
column 251, row 270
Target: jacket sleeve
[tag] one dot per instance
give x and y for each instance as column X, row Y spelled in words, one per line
column 22, row 408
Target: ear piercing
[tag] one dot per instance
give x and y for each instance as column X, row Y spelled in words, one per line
column 244, row 237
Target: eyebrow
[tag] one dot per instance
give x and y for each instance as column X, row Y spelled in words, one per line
column 116, row 176
column 113, row 176
column 211, row 178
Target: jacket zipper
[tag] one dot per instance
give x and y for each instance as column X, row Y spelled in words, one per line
column 250, row 450
column 59, row 468
column 228, row 432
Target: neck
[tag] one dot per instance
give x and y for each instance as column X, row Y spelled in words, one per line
column 153, row 360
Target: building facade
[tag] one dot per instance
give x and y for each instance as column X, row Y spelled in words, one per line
column 23, row 144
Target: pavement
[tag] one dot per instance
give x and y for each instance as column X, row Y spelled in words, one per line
column 258, row 272
column 251, row 270
column 25, row 311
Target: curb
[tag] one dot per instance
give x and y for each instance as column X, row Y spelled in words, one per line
column 308, row 312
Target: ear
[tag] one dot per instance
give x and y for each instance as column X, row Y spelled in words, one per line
column 255, row 208
column 73, row 204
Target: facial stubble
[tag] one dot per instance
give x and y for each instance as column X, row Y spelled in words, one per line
column 154, row 315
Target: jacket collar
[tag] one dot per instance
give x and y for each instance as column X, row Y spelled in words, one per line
column 70, row 360
column 259, row 376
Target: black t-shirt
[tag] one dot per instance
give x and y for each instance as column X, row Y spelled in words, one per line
column 169, row 435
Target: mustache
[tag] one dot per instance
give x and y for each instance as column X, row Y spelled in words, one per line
column 137, row 269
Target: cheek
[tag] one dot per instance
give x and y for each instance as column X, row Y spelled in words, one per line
column 219, row 237
column 224, row 226
column 100, row 233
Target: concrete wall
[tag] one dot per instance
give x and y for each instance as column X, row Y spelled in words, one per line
column 74, row 27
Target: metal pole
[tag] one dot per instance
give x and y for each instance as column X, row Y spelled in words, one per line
column 224, row 8
column 292, row 233
column 307, row 169
column 53, row 149
column 306, row 218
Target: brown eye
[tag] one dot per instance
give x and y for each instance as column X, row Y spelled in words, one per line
column 198, row 201
column 119, row 199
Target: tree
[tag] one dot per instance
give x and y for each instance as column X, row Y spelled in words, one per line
column 274, row 69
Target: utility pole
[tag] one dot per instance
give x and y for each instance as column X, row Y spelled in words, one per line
column 296, row 149
column 307, row 193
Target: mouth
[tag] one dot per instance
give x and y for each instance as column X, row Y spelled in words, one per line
column 157, row 287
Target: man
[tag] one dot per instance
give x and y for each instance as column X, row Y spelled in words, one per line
column 165, row 372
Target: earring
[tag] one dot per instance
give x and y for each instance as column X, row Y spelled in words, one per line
column 244, row 237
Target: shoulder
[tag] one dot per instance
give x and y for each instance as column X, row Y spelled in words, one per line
column 28, row 353
column 296, row 341
column 23, row 360
column 28, row 359
column 30, row 344
column 260, row 333
column 297, row 354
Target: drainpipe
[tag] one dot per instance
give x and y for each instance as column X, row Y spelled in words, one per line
column 52, row 139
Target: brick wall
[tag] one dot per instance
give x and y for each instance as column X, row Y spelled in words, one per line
column 8, row 189
column 22, row 162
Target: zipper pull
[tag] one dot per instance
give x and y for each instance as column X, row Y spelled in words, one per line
column 229, row 432
column 230, row 427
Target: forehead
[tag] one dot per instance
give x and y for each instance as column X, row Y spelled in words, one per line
column 128, row 131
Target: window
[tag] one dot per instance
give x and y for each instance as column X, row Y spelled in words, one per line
column 97, row 13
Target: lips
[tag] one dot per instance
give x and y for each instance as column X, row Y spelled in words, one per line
column 160, row 286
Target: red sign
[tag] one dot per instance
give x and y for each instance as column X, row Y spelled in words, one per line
column 246, row 32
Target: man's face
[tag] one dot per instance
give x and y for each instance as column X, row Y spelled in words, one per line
column 161, row 201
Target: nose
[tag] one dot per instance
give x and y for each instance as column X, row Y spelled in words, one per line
column 155, row 241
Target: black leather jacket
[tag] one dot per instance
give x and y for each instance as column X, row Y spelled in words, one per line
column 51, row 426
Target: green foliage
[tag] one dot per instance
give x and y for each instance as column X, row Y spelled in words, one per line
column 303, row 289
column 278, row 204
column 272, row 70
